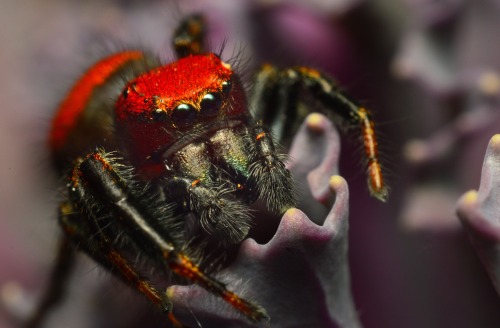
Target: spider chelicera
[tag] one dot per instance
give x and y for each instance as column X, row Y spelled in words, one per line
column 144, row 146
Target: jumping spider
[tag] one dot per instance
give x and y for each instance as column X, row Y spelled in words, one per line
column 178, row 140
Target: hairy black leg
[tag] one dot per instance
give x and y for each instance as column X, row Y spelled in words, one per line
column 59, row 277
column 189, row 37
column 274, row 182
column 230, row 149
column 88, row 237
column 100, row 177
column 250, row 158
column 275, row 100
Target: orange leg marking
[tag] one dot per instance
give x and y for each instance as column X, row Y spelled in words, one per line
column 375, row 177
column 260, row 136
column 184, row 267
column 133, row 278
column 142, row 285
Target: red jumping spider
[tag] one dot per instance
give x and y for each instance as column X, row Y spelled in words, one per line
column 173, row 141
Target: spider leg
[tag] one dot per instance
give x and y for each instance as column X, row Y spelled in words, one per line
column 275, row 101
column 274, row 182
column 117, row 199
column 250, row 158
column 88, row 237
column 189, row 37
column 59, row 277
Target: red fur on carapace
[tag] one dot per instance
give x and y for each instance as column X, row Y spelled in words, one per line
column 160, row 90
column 183, row 81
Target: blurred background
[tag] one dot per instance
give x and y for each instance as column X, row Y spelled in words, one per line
column 428, row 70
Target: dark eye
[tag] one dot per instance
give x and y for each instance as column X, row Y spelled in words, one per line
column 226, row 87
column 125, row 92
column 184, row 115
column 210, row 104
column 159, row 115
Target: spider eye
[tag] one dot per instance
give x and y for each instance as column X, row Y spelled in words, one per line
column 226, row 87
column 125, row 92
column 159, row 115
column 183, row 115
column 210, row 104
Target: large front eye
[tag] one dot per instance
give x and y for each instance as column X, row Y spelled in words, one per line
column 210, row 104
column 184, row 115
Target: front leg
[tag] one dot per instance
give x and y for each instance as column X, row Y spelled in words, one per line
column 274, row 181
column 189, row 38
column 275, row 101
column 87, row 235
column 112, row 202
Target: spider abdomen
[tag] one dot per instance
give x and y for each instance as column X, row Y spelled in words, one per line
column 84, row 118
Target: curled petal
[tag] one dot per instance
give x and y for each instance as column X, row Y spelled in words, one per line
column 479, row 212
column 301, row 276
column 314, row 156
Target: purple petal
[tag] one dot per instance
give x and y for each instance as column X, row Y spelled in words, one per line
column 314, row 156
column 300, row 277
column 479, row 212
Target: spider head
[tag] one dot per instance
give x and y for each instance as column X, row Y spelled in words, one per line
column 183, row 100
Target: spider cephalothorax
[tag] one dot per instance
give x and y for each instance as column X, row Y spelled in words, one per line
column 188, row 123
column 148, row 145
